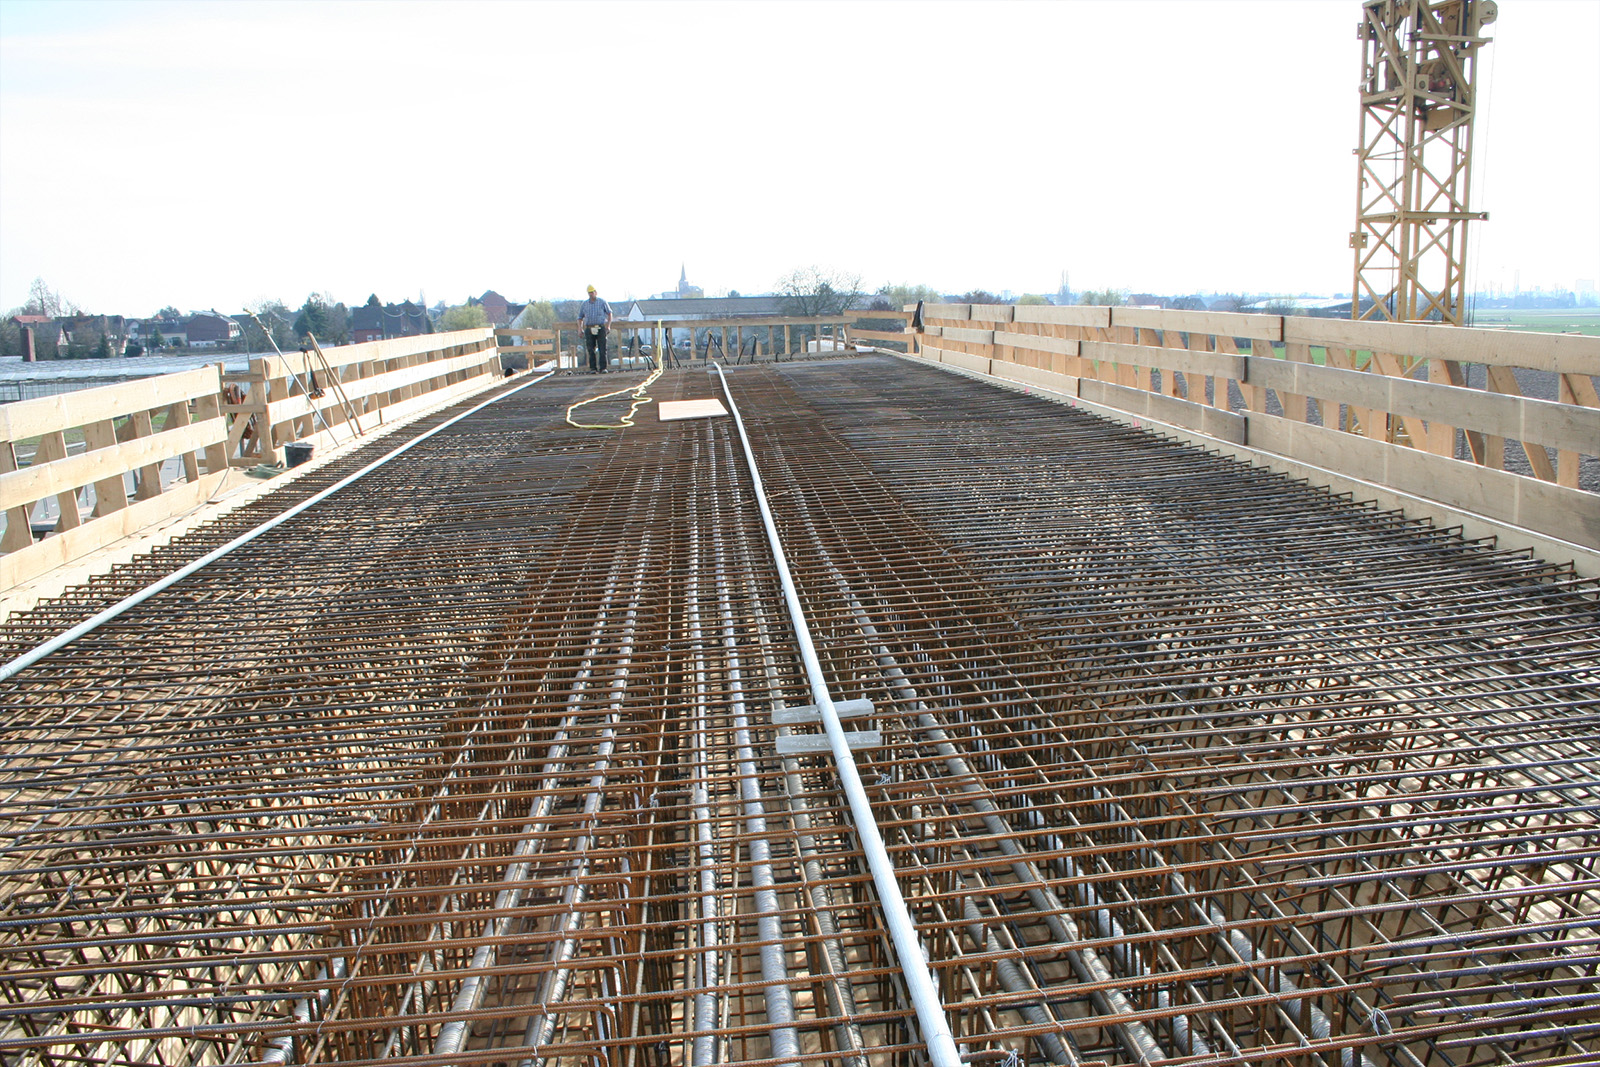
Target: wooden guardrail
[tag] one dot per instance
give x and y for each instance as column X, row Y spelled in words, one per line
column 902, row 338
column 1386, row 403
column 106, row 445
column 110, row 445
column 330, row 398
column 770, row 337
column 525, row 341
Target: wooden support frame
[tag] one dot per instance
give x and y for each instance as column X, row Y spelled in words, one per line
column 380, row 381
column 1401, row 385
column 129, row 431
column 206, row 422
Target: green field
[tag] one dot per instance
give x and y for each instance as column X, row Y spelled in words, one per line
column 1541, row 320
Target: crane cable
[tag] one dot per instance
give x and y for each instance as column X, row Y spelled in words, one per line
column 641, row 397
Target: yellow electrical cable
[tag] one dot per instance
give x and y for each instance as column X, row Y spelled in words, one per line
column 640, row 399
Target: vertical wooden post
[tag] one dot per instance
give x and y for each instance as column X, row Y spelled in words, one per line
column 178, row 415
column 149, row 481
column 53, row 446
column 1197, row 342
column 1295, row 406
column 1573, row 389
column 216, row 456
column 19, row 520
column 110, row 494
column 1255, row 398
column 273, row 390
column 1442, row 438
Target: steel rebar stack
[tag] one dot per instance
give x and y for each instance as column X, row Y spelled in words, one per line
column 495, row 757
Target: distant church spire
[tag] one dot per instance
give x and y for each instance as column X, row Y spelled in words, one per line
column 684, row 288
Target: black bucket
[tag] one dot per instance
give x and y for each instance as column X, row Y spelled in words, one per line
column 297, row 452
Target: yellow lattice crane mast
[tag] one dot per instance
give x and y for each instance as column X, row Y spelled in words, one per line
column 1418, row 100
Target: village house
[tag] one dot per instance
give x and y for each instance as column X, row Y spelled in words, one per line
column 375, row 322
column 496, row 308
column 209, row 329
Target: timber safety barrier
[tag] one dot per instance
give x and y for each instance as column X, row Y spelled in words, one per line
column 733, row 339
column 327, row 397
column 127, row 432
column 121, row 458
column 525, row 341
column 1382, row 404
column 1386, row 404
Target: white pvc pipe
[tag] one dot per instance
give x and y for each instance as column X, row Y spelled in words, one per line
column 769, row 921
column 942, row 1051
column 65, row 638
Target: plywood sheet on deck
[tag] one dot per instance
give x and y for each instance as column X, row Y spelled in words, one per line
column 673, row 410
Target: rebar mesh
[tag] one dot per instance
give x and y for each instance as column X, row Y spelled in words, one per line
column 1182, row 762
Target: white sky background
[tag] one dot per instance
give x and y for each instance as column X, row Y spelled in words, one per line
column 211, row 154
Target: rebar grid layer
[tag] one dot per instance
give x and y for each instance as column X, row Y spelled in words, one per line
column 1182, row 762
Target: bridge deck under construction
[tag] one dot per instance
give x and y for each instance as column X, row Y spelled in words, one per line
column 478, row 760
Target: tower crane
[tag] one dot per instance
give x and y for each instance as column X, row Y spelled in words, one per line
column 1418, row 101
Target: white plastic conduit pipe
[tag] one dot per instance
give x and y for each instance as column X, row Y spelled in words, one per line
column 942, row 1051
column 66, row 637
column 707, row 999
column 769, row 921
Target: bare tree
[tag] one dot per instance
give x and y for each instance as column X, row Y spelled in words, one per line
column 812, row 292
column 42, row 300
column 271, row 315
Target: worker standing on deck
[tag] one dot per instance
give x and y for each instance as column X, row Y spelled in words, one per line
column 594, row 319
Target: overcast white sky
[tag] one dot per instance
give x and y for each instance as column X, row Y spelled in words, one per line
column 213, row 154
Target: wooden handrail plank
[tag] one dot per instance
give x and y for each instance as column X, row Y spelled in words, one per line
column 293, row 407
column 1091, row 316
column 61, row 475
column 34, row 560
column 684, row 324
column 992, row 313
column 969, row 337
column 882, row 335
column 369, row 351
column 1520, row 418
column 1570, row 514
column 1232, row 323
column 1037, row 342
column 33, row 418
column 1210, row 364
column 1558, row 353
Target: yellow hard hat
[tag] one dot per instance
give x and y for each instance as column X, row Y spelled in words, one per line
column 591, row 288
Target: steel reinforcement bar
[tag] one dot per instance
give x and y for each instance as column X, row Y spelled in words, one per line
column 1180, row 762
